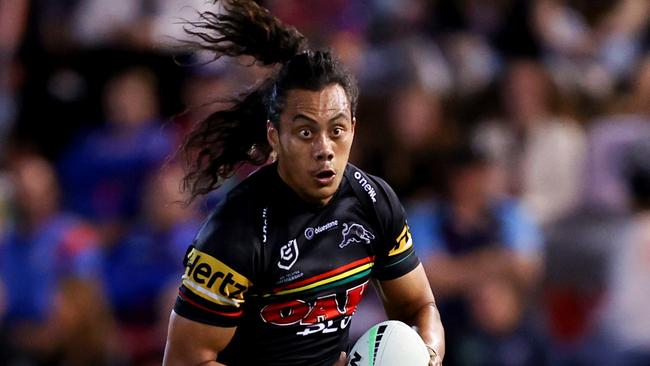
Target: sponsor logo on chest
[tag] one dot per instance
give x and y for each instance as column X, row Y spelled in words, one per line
column 351, row 233
column 319, row 315
column 213, row 280
column 310, row 232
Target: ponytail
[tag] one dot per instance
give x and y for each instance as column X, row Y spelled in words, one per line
column 246, row 29
column 226, row 139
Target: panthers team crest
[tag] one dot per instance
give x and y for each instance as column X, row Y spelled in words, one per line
column 355, row 233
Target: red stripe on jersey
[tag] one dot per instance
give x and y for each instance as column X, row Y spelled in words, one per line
column 240, row 312
column 331, row 273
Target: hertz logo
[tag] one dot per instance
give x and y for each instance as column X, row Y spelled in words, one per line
column 403, row 241
column 213, row 280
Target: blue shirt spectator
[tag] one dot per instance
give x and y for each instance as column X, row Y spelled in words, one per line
column 508, row 225
column 473, row 233
column 32, row 263
column 140, row 267
column 103, row 174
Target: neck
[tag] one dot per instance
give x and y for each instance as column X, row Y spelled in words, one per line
column 306, row 198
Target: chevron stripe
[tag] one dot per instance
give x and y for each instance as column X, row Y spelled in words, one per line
column 341, row 278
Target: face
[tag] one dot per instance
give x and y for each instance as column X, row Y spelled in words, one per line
column 130, row 100
column 313, row 142
column 162, row 200
column 495, row 305
column 36, row 186
column 416, row 118
column 526, row 92
column 473, row 184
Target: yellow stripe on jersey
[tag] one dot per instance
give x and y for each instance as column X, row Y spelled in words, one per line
column 325, row 281
column 403, row 242
column 213, row 280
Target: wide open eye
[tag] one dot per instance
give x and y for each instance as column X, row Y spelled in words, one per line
column 305, row 133
column 338, row 131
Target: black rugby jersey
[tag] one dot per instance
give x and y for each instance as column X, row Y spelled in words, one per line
column 290, row 274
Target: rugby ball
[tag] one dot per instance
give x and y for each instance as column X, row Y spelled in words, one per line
column 389, row 343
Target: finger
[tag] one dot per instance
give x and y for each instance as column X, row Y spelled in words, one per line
column 342, row 359
column 435, row 361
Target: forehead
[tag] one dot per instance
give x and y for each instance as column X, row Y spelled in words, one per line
column 327, row 101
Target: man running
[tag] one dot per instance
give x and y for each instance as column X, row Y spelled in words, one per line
column 276, row 272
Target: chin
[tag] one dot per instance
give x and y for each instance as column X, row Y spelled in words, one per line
column 324, row 194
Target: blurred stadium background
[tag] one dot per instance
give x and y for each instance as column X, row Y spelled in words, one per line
column 516, row 132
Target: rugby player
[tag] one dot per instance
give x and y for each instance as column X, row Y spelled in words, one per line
column 276, row 272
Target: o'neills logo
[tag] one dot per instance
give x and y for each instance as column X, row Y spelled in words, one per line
column 366, row 186
column 213, row 280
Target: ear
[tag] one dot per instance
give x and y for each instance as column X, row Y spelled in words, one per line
column 354, row 123
column 272, row 135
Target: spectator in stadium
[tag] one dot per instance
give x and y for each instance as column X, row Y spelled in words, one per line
column 13, row 22
column 419, row 132
column 44, row 250
column 145, row 263
column 131, row 23
column 504, row 333
column 541, row 150
column 469, row 234
column 591, row 47
column 104, row 171
column 625, row 316
column 609, row 136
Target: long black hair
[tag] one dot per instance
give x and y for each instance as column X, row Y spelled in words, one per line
column 228, row 138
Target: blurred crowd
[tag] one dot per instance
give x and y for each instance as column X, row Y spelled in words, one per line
column 516, row 133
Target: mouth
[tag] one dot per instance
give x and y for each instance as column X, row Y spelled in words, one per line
column 325, row 177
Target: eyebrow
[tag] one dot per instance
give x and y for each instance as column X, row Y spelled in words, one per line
column 309, row 119
column 302, row 116
column 339, row 116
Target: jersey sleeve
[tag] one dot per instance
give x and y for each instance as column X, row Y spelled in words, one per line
column 396, row 254
column 219, row 269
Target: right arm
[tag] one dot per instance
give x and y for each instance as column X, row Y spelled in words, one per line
column 190, row 343
column 195, row 344
column 214, row 287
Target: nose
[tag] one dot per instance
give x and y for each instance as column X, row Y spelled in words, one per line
column 323, row 148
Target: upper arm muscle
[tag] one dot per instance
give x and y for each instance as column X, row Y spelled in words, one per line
column 404, row 296
column 193, row 343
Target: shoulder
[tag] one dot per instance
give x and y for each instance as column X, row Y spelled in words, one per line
column 246, row 196
column 395, row 254
column 377, row 189
column 238, row 215
column 386, row 205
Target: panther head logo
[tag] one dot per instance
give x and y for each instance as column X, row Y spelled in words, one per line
column 355, row 233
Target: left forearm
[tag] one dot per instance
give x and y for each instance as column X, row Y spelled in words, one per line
column 409, row 299
column 428, row 324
